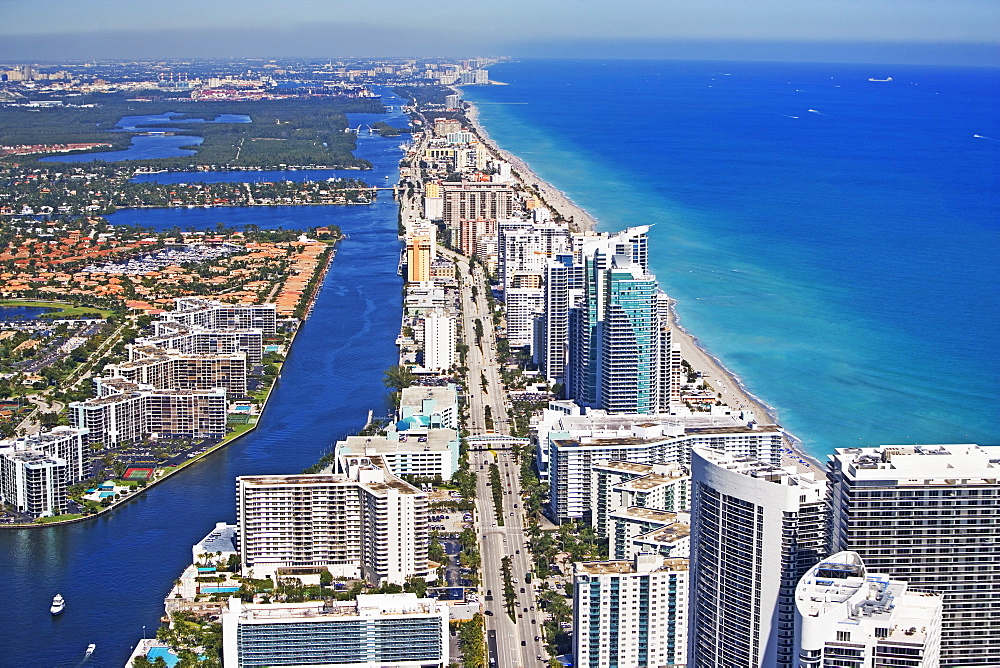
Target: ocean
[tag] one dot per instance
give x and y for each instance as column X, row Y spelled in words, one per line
column 833, row 240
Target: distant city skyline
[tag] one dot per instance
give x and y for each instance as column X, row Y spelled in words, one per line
column 919, row 31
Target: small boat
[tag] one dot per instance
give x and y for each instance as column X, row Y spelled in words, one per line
column 874, row 79
column 90, row 648
column 58, row 603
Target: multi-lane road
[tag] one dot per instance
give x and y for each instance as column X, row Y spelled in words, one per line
column 517, row 643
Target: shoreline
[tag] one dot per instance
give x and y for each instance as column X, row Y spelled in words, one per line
column 553, row 197
column 715, row 373
column 321, row 271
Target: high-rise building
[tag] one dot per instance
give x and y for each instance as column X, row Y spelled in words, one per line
column 420, row 247
column 622, row 484
column 629, row 341
column 366, row 522
column 129, row 412
column 927, row 515
column 477, row 204
column 209, row 314
column 172, row 369
column 523, row 306
column 442, row 126
column 33, row 482
column 439, row 340
column 375, row 631
column 630, row 613
column 756, row 529
column 171, row 335
column 64, row 443
column 573, row 452
column 563, row 287
column 849, row 617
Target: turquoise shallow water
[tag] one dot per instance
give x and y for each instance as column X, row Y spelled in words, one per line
column 833, row 240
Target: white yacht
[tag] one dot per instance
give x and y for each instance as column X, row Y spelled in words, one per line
column 58, row 603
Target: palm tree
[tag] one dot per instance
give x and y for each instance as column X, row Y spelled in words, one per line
column 397, row 377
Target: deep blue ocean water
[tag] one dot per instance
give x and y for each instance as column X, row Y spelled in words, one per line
column 114, row 571
column 834, row 241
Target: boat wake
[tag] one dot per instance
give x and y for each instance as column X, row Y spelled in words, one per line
column 818, row 112
column 984, row 137
column 787, row 116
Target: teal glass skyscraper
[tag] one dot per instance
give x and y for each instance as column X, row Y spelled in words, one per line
column 629, row 340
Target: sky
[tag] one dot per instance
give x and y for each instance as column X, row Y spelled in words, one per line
column 920, row 31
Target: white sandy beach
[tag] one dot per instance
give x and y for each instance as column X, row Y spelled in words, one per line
column 713, row 371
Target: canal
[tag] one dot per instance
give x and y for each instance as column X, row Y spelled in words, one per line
column 115, row 570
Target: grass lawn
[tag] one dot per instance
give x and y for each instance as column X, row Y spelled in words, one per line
column 238, row 430
column 60, row 310
column 57, row 518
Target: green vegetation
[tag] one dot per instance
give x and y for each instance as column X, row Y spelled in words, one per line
column 469, row 556
column 197, row 643
column 471, row 642
column 422, row 95
column 60, row 310
column 387, row 130
column 509, row 595
column 295, row 132
column 497, row 488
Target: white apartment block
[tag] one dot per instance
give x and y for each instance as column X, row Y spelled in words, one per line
column 33, row 482
column 523, row 306
column 375, row 631
column 635, row 530
column 64, row 443
column 421, row 452
column 619, row 485
column 576, row 444
column 434, row 407
column 365, row 523
column 201, row 341
column 928, row 515
column 439, row 341
column 630, row 613
column 756, row 529
column 137, row 411
column 849, row 617
column 210, row 314
column 163, row 369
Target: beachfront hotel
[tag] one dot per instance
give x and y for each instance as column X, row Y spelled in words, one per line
column 363, row 523
column 756, row 529
column 375, row 631
column 630, row 613
column 421, row 247
column 927, row 515
column 623, row 484
column 575, row 444
column 848, row 616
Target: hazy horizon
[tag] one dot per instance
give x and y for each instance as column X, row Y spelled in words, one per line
column 960, row 32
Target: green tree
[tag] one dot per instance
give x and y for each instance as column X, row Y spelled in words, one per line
column 398, row 377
